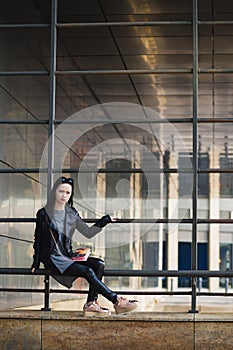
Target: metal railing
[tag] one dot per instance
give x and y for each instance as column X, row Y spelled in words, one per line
column 193, row 274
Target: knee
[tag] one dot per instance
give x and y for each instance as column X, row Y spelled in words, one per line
column 97, row 264
column 90, row 274
column 100, row 267
column 101, row 264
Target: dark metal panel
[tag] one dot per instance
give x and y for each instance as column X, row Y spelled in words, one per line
column 25, row 11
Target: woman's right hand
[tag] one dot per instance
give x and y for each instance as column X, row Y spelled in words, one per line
column 33, row 269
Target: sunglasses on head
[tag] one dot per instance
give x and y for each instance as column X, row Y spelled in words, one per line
column 67, row 180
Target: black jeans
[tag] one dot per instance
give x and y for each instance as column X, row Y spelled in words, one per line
column 92, row 270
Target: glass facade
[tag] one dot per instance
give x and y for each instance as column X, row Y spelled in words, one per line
column 134, row 101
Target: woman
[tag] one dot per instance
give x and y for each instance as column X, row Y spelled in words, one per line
column 55, row 226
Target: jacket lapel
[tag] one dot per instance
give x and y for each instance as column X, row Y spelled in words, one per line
column 69, row 222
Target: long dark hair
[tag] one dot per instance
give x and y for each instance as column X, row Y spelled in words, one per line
column 52, row 196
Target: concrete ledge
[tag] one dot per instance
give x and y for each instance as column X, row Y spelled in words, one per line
column 34, row 330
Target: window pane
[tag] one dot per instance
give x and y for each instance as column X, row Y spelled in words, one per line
column 24, row 98
column 20, row 195
column 22, row 145
column 25, row 49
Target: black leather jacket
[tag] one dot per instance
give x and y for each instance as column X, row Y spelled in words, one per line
column 43, row 240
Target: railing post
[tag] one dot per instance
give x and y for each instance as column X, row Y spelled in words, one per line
column 52, row 96
column 194, row 296
column 195, row 154
column 46, row 294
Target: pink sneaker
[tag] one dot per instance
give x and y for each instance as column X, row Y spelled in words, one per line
column 93, row 309
column 124, row 305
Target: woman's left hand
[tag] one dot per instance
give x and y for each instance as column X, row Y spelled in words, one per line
column 113, row 219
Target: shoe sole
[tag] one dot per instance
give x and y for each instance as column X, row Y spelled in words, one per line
column 96, row 314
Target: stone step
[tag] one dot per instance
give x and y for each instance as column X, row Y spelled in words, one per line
column 69, row 330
